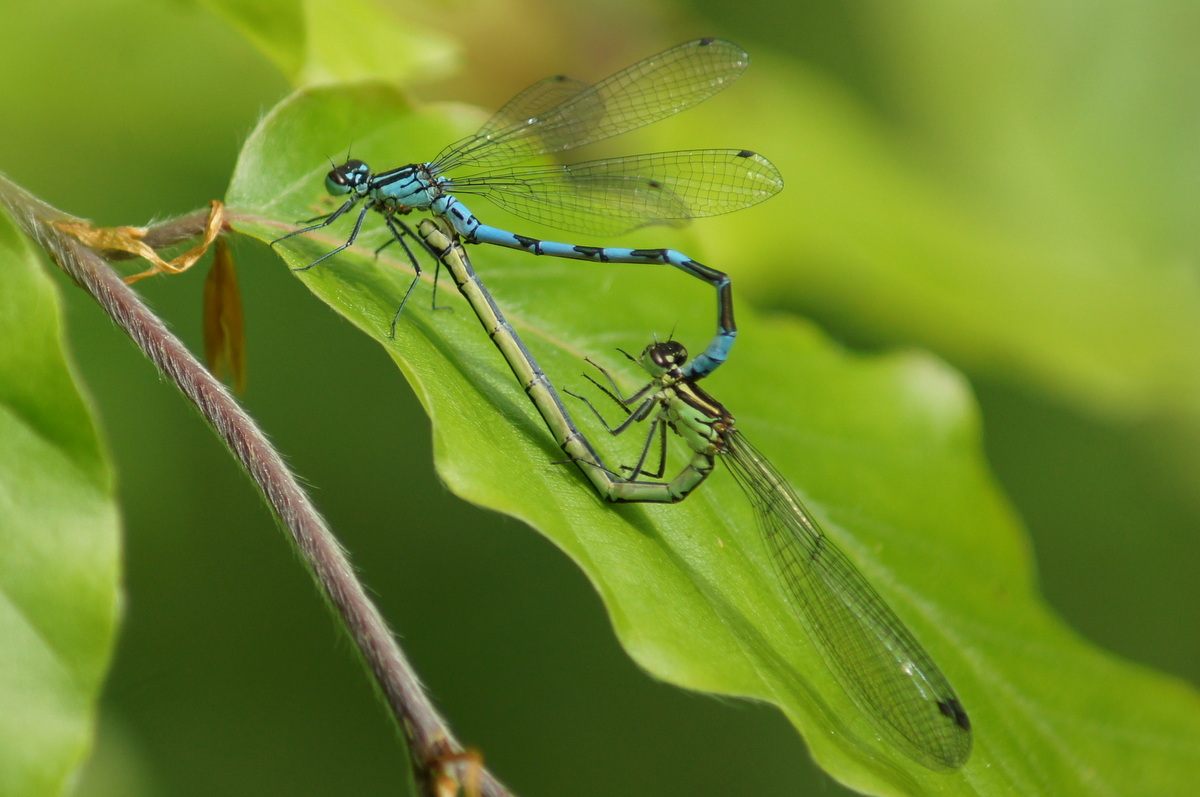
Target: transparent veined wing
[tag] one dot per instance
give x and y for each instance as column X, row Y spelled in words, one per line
column 646, row 92
column 616, row 195
column 872, row 654
column 529, row 104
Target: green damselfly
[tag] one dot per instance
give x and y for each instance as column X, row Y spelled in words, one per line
column 871, row 653
column 440, row 240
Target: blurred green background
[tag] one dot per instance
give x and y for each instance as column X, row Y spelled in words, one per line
column 1036, row 130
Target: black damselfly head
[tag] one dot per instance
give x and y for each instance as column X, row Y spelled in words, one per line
column 659, row 358
column 348, row 177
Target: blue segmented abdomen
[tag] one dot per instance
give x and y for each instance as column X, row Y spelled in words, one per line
column 474, row 231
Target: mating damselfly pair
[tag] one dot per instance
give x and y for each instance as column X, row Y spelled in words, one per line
column 872, row 654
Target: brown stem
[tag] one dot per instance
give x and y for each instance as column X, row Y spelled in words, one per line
column 431, row 744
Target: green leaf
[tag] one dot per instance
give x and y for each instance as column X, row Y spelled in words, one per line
column 1027, row 210
column 59, row 555
column 884, row 450
column 320, row 41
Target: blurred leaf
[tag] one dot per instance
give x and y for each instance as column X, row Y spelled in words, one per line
column 322, row 41
column 885, row 450
column 276, row 27
column 59, row 560
column 1030, row 213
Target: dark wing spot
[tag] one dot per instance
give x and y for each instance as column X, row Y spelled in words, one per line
column 955, row 711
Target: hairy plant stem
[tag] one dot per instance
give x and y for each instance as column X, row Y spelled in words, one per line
column 434, row 751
